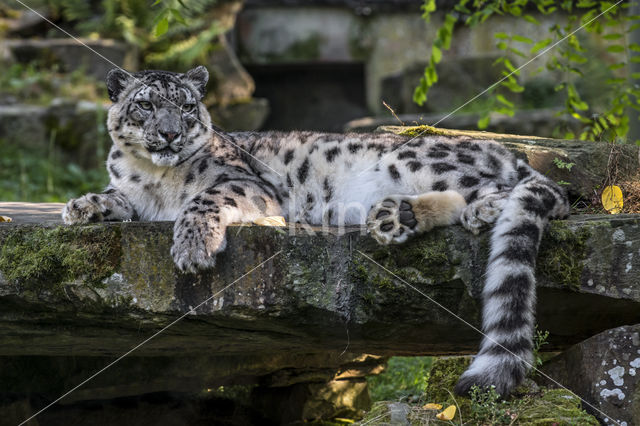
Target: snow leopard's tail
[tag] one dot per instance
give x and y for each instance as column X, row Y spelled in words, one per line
column 509, row 293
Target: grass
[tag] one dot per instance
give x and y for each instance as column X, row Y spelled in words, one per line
column 35, row 83
column 404, row 378
column 26, row 175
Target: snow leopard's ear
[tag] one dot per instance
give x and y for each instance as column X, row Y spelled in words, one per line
column 198, row 77
column 117, row 80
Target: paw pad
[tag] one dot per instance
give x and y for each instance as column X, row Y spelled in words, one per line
column 392, row 220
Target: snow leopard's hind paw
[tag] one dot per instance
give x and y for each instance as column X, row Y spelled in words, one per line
column 392, row 220
column 398, row 217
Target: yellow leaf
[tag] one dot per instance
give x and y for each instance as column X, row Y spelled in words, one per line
column 448, row 414
column 270, row 221
column 5, row 219
column 432, row 406
column 612, row 199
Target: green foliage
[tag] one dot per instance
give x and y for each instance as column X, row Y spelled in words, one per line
column 170, row 34
column 30, row 175
column 563, row 164
column 568, row 57
column 404, row 377
column 487, row 408
column 39, row 83
column 539, row 340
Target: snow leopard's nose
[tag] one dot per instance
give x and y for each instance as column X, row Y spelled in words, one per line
column 169, row 136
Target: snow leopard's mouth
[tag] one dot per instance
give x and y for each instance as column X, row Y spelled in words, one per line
column 167, row 150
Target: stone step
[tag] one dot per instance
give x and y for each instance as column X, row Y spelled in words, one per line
column 94, row 290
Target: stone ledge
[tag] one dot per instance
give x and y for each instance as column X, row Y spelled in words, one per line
column 94, row 290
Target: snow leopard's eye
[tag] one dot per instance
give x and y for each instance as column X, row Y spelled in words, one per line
column 187, row 108
column 145, row 105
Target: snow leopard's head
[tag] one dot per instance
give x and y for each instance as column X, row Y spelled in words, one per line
column 158, row 115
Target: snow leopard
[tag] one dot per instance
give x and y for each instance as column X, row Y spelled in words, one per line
column 169, row 162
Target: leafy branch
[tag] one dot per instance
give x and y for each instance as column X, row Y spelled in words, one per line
column 608, row 20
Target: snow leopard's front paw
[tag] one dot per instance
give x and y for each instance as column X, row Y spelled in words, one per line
column 392, row 221
column 483, row 211
column 195, row 245
column 82, row 210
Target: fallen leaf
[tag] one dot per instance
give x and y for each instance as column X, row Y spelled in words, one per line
column 448, row 414
column 612, row 199
column 270, row 221
column 5, row 219
column 432, row 406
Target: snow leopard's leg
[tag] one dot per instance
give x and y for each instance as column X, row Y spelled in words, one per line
column 505, row 353
column 199, row 231
column 110, row 205
column 397, row 217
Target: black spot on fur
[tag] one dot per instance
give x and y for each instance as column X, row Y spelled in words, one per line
column 106, row 213
column 523, row 172
column 212, row 191
column 94, row 198
column 204, row 164
column 331, row 154
column 442, row 146
column 354, row 147
column 528, row 230
column 230, row 202
column 328, row 190
column 189, row 179
column 288, row 156
column 518, row 252
column 534, row 205
column 468, row 181
column 494, row 163
column 437, row 154
column 393, row 171
column 487, row 175
column 303, row 171
column 114, row 172
column 440, row 168
column 416, row 143
column 208, row 202
column 406, row 154
column 377, row 146
column 466, row 158
column 471, row 197
column 116, row 154
column 289, row 183
column 469, row 145
column 414, row 166
column 238, row 190
column 110, row 191
column 310, row 198
column 134, row 178
column 440, row 185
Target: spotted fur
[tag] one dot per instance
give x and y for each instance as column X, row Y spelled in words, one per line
column 168, row 163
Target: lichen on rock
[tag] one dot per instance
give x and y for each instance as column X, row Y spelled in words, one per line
column 39, row 258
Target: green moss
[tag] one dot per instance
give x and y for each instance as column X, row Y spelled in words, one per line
column 422, row 259
column 555, row 407
column 442, row 378
column 423, row 130
column 46, row 258
column 562, row 254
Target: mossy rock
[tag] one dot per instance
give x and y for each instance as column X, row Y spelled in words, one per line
column 531, row 406
column 40, row 259
column 555, row 407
